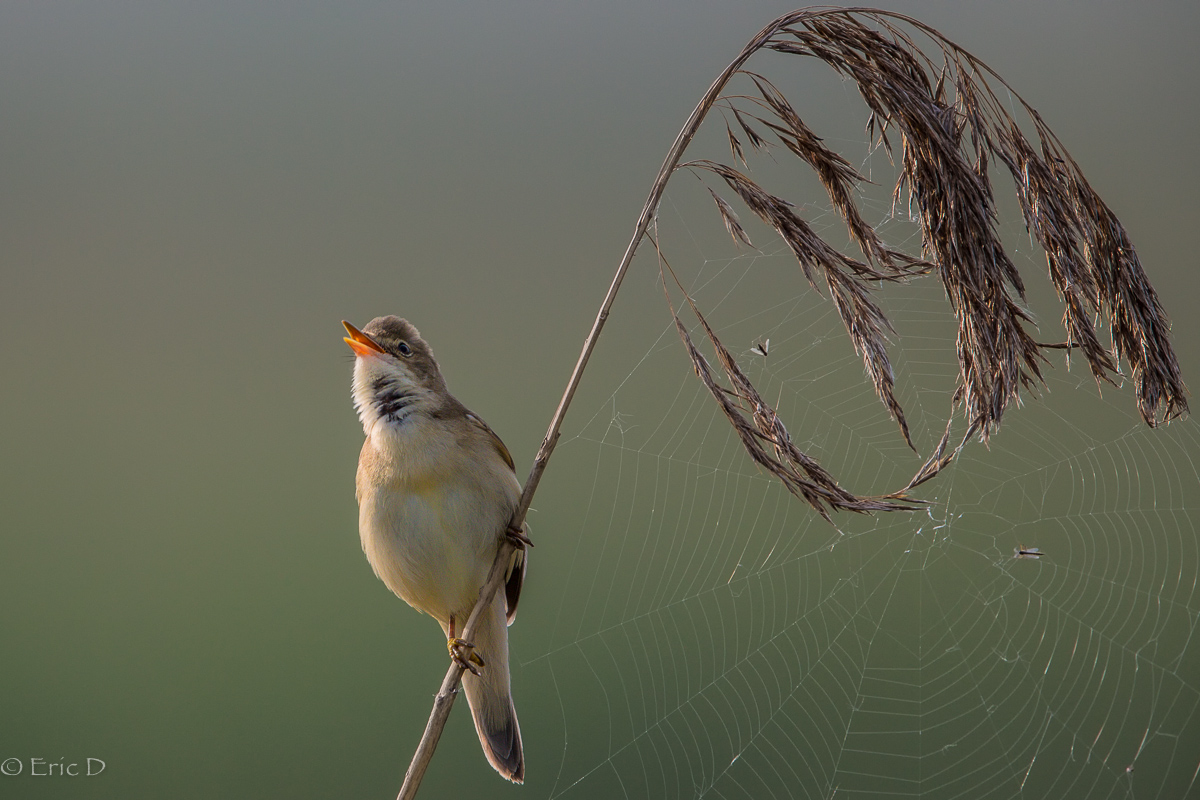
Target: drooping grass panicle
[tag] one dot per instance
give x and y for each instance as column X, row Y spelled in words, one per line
column 952, row 130
column 1090, row 259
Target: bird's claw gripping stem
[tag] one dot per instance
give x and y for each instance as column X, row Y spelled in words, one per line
column 463, row 653
column 518, row 538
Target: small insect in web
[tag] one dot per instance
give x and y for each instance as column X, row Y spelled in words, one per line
column 762, row 348
column 1021, row 551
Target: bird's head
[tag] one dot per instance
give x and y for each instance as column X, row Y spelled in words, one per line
column 395, row 373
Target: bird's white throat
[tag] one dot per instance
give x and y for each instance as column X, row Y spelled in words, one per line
column 385, row 397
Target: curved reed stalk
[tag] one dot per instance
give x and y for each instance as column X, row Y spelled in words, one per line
column 951, row 127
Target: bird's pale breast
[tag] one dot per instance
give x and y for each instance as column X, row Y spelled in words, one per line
column 429, row 522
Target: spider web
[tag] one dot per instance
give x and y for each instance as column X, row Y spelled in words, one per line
column 716, row 638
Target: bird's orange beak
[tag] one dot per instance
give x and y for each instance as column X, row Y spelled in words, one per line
column 359, row 342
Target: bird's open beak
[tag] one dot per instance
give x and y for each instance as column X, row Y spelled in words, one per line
column 359, row 342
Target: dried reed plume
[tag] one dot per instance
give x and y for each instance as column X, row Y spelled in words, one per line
column 951, row 127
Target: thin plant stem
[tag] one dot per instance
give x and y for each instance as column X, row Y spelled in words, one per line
column 639, row 232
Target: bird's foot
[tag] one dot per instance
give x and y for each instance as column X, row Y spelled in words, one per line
column 518, row 538
column 463, row 653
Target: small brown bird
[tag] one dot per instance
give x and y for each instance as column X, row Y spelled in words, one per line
column 436, row 493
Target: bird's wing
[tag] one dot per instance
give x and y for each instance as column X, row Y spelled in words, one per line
column 512, row 586
column 499, row 445
column 516, row 569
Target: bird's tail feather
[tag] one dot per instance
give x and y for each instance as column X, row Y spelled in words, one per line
column 490, row 696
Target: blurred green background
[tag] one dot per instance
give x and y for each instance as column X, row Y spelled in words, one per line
column 195, row 194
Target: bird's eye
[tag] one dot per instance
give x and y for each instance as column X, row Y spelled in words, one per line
column 405, row 350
